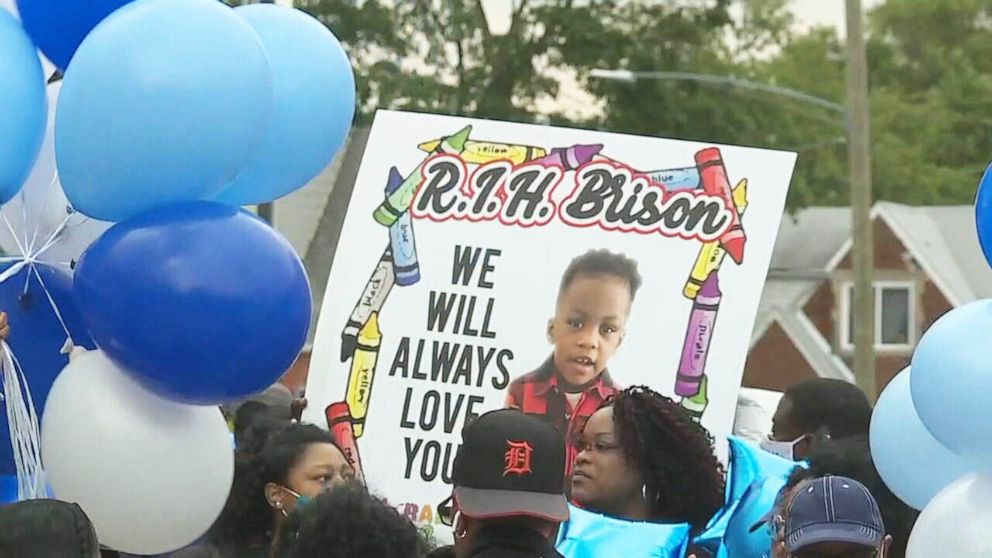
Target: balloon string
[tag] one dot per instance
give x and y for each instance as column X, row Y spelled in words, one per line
column 46, row 201
column 55, row 309
column 25, row 433
column 53, row 238
column 24, row 217
column 20, row 246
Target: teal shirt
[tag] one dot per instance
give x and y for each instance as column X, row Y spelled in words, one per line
column 591, row 535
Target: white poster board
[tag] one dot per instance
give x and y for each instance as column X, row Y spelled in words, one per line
column 515, row 203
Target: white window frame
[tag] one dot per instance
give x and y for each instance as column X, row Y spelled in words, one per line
column 846, row 294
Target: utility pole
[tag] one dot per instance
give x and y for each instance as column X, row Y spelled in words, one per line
column 859, row 163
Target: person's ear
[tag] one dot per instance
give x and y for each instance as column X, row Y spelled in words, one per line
column 551, row 330
column 273, row 496
column 886, row 545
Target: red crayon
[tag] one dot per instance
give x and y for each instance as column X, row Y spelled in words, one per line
column 713, row 177
column 340, row 423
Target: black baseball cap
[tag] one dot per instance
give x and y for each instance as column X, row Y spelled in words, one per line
column 833, row 509
column 510, row 464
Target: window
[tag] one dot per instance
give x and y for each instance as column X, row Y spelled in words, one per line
column 895, row 321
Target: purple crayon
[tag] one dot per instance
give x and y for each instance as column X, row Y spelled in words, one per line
column 406, row 267
column 570, row 158
column 702, row 319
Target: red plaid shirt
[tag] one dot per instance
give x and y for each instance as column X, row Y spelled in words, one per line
column 537, row 393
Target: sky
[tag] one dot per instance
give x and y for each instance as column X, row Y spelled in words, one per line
column 811, row 13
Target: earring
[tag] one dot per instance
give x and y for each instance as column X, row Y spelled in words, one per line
column 644, row 492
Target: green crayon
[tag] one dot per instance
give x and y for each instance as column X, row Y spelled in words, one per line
column 399, row 201
column 697, row 404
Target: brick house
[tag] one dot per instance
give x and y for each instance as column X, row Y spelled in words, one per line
column 927, row 261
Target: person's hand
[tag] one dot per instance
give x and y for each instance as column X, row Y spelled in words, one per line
column 4, row 327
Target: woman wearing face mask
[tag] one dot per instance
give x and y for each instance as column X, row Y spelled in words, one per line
column 649, row 469
column 292, row 467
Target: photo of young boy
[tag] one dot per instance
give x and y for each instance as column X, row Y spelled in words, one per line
column 591, row 312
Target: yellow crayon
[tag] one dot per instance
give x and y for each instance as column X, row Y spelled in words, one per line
column 711, row 253
column 363, row 362
column 482, row 152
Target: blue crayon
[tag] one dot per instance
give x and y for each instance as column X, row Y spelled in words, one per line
column 677, row 179
column 406, row 268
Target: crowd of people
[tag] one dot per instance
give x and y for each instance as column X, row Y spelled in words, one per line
column 641, row 459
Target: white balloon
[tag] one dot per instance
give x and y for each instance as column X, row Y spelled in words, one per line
column 957, row 521
column 152, row 474
column 41, row 208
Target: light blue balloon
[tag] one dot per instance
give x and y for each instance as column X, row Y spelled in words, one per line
column 952, row 381
column 588, row 535
column 913, row 464
column 748, row 464
column 314, row 104
column 759, row 499
column 23, row 106
column 165, row 101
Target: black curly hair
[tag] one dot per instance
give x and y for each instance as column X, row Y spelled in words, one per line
column 683, row 478
column 348, row 522
column 602, row 262
column 246, row 522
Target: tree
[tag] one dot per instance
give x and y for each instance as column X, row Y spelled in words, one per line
column 929, row 61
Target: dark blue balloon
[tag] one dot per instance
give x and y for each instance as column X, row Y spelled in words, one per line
column 200, row 302
column 59, row 26
column 37, row 337
column 983, row 214
column 8, row 489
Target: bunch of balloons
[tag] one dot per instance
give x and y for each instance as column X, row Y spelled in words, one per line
column 171, row 115
column 931, row 432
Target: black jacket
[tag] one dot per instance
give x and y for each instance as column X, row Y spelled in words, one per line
column 513, row 543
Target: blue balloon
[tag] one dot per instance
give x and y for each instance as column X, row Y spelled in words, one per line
column 8, row 489
column 165, row 101
column 952, row 381
column 760, row 498
column 314, row 104
column 201, row 302
column 25, row 107
column 58, row 26
column 748, row 464
column 983, row 214
column 913, row 464
column 37, row 336
column 587, row 535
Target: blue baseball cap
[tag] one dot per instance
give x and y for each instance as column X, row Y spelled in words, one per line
column 832, row 509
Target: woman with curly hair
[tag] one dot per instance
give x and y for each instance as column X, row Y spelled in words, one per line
column 348, row 522
column 287, row 471
column 645, row 463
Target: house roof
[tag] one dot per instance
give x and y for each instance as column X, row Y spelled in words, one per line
column 795, row 248
column 943, row 241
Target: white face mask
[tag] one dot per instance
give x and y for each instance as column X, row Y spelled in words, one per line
column 781, row 449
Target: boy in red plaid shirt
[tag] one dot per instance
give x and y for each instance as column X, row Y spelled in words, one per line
column 594, row 301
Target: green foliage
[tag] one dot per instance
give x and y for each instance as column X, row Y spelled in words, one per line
column 930, row 72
